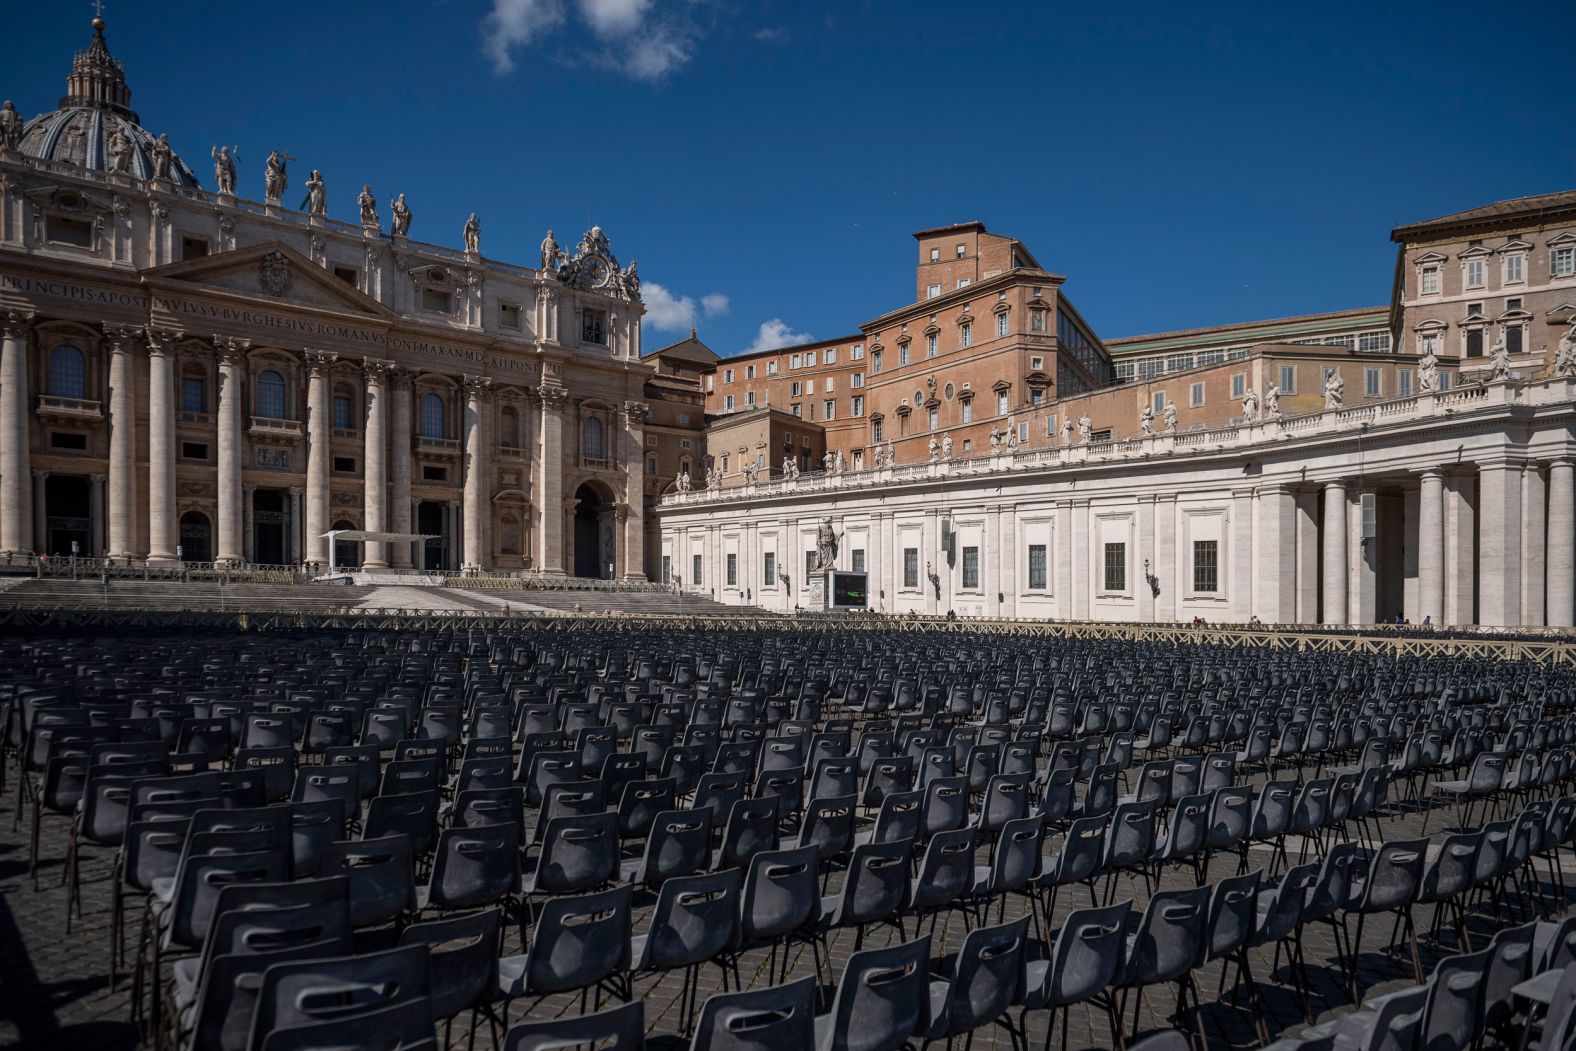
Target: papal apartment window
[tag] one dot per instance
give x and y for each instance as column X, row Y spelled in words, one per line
column 194, row 394
column 965, row 336
column 875, row 362
column 1036, row 364
column 509, row 316
column 727, row 375
column 809, row 386
column 1206, row 566
column 1515, row 268
column 1373, row 383
column 932, row 291
column 795, row 389
column 968, row 411
column 1002, row 403
column 1036, row 396
column 965, row 282
column 829, row 356
column 1562, row 262
column 1514, row 338
column 857, row 380
column 727, row 403
column 749, row 399
column 769, row 569
column 856, row 405
column 971, row 568
column 877, row 430
column 1239, row 384
column 1158, row 402
column 1428, row 343
column 1474, row 275
column 593, row 327
column 911, row 567
column 1474, row 343
column 1036, row 567
column 695, row 578
column 935, row 255
column 962, row 251
column 1429, row 284
column 935, row 417
column 749, row 372
column 902, row 354
column 733, row 570
column 796, row 409
column 1001, row 324
column 793, row 361
column 1288, row 379
column 829, row 409
column 771, row 368
column 1023, row 432
column 1444, row 381
column 858, row 353
column 1196, row 395
column 1116, row 567
column 931, row 346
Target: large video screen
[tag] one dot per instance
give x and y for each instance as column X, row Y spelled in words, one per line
column 849, row 591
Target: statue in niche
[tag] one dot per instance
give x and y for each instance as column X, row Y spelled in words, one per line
column 1334, row 390
column 224, row 168
column 316, row 194
column 369, row 207
column 473, row 235
column 1146, row 420
column 399, row 226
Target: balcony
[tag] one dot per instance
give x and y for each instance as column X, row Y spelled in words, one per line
column 346, row 432
column 263, row 427
column 597, row 463
column 196, row 419
column 438, row 449
column 69, row 408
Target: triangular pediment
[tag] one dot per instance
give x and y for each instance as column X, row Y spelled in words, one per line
column 271, row 272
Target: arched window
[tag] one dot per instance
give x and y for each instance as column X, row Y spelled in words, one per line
column 68, row 372
column 432, row 423
column 270, row 395
column 509, row 428
column 594, row 446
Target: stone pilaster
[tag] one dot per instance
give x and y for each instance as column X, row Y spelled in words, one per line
column 549, row 488
column 1275, row 600
column 248, row 521
column 1561, row 594
column 232, row 399
column 478, row 392
column 1335, row 553
column 293, row 533
column 1533, row 551
column 375, row 462
column 1460, row 550
column 41, row 512
column 400, row 517
column 163, row 527
column 122, row 544
column 16, row 533
column 319, row 431
column 633, row 525
column 96, row 525
column 1499, row 540
column 1242, row 585
column 1431, row 547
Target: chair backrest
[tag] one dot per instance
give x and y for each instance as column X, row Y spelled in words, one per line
column 780, row 893
column 579, row 940
column 464, row 959
column 199, row 880
column 402, row 1026
column 1450, row 873
column 621, row 1028
column 473, row 867
column 1285, row 909
column 226, row 994
column 679, row 843
column 1395, row 876
column 946, row 870
column 829, row 825
column 882, row 1000
column 382, row 876
column 1452, row 1017
column 1088, row 954
column 1016, row 859
column 1131, row 837
column 1233, row 916
column 946, row 804
column 775, row 1018
column 751, row 828
column 876, row 885
column 1169, row 938
column 695, row 918
column 578, row 853
column 987, row 976
column 311, row 991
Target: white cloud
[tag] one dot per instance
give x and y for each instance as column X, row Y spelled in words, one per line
column 774, row 334
column 654, row 53
column 515, row 23
column 613, row 17
column 665, row 311
column 715, row 304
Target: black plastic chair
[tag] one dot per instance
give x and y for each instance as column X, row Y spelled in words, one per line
column 882, row 1000
column 621, row 1028
column 774, row 1018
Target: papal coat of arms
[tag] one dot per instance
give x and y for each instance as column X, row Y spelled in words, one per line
column 273, row 274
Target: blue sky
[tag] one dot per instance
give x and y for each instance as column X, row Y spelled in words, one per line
column 766, row 162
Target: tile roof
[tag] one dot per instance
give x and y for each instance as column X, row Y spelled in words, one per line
column 1561, row 201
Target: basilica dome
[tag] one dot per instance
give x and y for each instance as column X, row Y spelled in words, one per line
column 96, row 106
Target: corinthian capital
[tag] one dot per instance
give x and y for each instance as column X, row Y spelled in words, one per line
column 477, row 386
column 318, row 361
column 231, row 349
column 15, row 323
column 121, row 335
column 163, row 340
column 635, row 412
column 402, row 376
column 376, row 368
column 552, row 397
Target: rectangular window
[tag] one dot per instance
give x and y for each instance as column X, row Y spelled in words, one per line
column 769, row 569
column 667, row 569
column 344, row 465
column 342, row 412
column 911, row 567
column 66, row 231
column 194, row 450
column 968, row 411
column 935, row 255
column 711, row 382
column 1428, row 343
column 193, row 247
column 1562, row 262
column 1036, row 567
column 1023, row 432
column 856, row 405
column 809, row 386
column 509, row 315
column 1373, row 383
column 829, row 384
column 931, row 347
column 932, row 291
column 1515, row 269
column 695, row 577
column 749, row 372
column 1116, row 567
column 1430, row 281
column 593, row 328
column 1374, row 342
column 875, row 362
column 431, row 473
column 749, row 399
column 829, row 356
column 1513, row 338
column 1444, row 381
column 965, row 336
column 795, row 389
column 727, row 375
column 971, row 568
column 733, row 570
column 194, row 395
column 902, row 354
column 1196, row 395
column 809, row 564
column 349, row 275
column 1037, row 319
column 1288, row 379
column 727, row 403
column 1001, row 324
column 1475, row 273
column 796, row 409
column 1159, row 401
column 829, row 409
column 1239, row 384
column 439, row 301
column 1036, row 396
column 1403, row 383
column 858, row 353
column 877, row 430
column 1002, row 403
column 1206, row 565
column 1474, row 343
column 934, row 417
column 771, row 368
column 857, row 557
column 962, row 250
column 857, row 380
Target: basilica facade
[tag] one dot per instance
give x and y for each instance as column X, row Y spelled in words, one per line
column 193, row 375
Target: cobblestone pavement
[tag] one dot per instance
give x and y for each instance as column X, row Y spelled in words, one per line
column 55, row 986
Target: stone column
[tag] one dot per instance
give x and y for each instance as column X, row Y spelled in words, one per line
column 232, row 380
column 293, row 533
column 1241, row 581
column 1431, row 547
column 319, row 432
column 375, row 457
column 1499, row 552
column 15, row 531
column 1335, row 552
column 400, row 516
column 452, row 549
column 477, row 397
column 96, row 529
column 122, row 545
column 1533, row 552
column 1411, row 510
column 634, row 524
column 1460, row 550
column 1363, row 559
column 1561, row 556
column 1276, row 598
column 1307, row 504
column 41, row 513
column 549, row 494
column 163, row 529
column 248, row 524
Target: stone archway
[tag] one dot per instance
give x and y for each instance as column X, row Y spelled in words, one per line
column 595, row 533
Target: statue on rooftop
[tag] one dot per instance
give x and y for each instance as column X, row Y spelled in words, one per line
column 1250, row 405
column 10, row 126
column 399, row 226
column 1272, row 402
column 1499, row 361
column 119, row 149
column 369, row 207
column 946, row 446
column 1334, row 390
column 790, row 467
column 552, row 255
column 1146, row 419
column 1085, row 429
column 276, row 177
column 316, row 194
column 1565, row 353
column 1170, row 416
column 1428, row 372
column 473, row 235
column 223, row 168
column 163, row 156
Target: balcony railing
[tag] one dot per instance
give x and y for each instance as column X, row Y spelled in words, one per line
column 262, row 425
column 197, row 419
column 596, row 463
column 73, row 408
column 439, row 446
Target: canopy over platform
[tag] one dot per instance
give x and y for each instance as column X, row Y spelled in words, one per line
column 367, row 536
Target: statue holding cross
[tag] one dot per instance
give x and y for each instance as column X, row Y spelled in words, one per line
column 276, row 178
